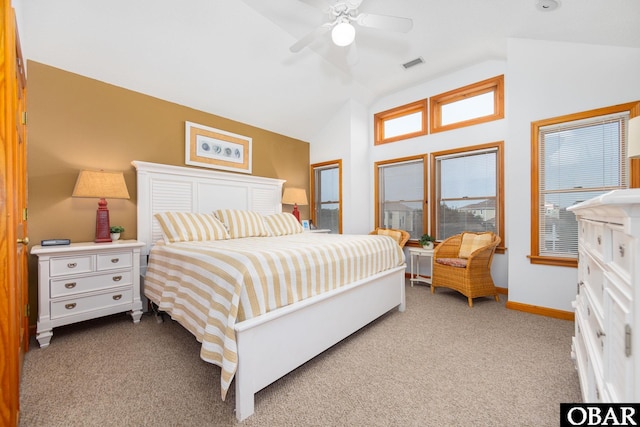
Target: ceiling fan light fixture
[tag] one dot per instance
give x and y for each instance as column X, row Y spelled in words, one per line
column 343, row 34
column 547, row 5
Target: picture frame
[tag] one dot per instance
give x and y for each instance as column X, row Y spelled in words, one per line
column 217, row 149
column 305, row 224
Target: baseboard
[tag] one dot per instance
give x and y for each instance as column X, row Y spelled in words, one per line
column 542, row 311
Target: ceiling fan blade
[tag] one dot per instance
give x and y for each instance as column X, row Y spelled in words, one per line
column 304, row 41
column 318, row 4
column 385, row 22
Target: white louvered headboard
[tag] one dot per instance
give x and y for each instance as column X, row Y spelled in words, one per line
column 163, row 188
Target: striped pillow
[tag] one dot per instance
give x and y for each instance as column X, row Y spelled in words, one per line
column 241, row 223
column 189, row 227
column 282, row 224
column 472, row 242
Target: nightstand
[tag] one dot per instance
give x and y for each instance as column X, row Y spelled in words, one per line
column 417, row 253
column 319, row 230
column 83, row 281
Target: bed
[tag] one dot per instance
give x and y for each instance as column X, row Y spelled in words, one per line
column 327, row 286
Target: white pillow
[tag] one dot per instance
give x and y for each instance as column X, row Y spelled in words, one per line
column 282, row 224
column 241, row 223
column 190, row 227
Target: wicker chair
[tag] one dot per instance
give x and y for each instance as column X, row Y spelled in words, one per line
column 468, row 272
column 400, row 236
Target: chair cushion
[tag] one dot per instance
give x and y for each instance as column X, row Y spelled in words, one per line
column 395, row 234
column 472, row 242
column 452, row 262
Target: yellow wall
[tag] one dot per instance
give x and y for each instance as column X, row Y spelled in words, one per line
column 79, row 123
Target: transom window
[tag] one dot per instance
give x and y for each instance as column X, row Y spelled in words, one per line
column 469, row 105
column 406, row 121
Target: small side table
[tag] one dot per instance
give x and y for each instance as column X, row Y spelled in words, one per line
column 416, row 253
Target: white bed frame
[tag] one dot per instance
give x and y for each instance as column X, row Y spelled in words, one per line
column 276, row 343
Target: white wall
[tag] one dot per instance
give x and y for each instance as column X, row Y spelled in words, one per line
column 542, row 80
column 545, row 80
column 345, row 138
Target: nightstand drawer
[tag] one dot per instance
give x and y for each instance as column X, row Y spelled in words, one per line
column 114, row 260
column 74, row 306
column 71, row 265
column 71, row 286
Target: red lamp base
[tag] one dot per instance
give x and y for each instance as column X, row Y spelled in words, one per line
column 296, row 212
column 103, row 234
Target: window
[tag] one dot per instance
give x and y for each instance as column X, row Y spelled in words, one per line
column 326, row 196
column 406, row 121
column 467, row 187
column 477, row 103
column 400, row 194
column 574, row 158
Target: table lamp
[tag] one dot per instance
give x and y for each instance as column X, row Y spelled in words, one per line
column 295, row 197
column 101, row 185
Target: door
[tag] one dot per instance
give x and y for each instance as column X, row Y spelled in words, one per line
column 13, row 218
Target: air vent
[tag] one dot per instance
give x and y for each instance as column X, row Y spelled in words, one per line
column 413, row 63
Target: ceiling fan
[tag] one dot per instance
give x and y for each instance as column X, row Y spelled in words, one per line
column 344, row 13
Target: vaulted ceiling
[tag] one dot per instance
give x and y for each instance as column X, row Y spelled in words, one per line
column 232, row 58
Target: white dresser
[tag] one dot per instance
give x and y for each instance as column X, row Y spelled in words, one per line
column 606, row 346
column 82, row 281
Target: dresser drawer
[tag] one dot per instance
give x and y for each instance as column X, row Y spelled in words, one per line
column 71, row 265
column 594, row 334
column 592, row 277
column 71, row 286
column 597, row 238
column 622, row 253
column 113, row 261
column 79, row 305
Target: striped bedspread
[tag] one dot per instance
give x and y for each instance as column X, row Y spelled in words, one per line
column 209, row 286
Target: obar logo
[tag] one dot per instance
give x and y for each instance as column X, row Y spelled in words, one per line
column 600, row 414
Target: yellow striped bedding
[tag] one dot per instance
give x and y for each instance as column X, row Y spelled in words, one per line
column 208, row 286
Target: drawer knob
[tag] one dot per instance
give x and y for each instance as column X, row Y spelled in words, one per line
column 70, row 306
column 70, row 285
column 116, row 278
column 115, row 260
column 621, row 250
column 72, row 265
column 599, row 240
column 117, row 297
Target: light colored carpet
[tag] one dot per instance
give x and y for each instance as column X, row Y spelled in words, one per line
column 439, row 363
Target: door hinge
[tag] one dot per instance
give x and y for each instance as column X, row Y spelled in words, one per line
column 25, row 214
column 627, row 340
column 27, row 310
column 24, row 118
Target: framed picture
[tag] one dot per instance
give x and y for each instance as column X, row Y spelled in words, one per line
column 305, row 224
column 217, row 149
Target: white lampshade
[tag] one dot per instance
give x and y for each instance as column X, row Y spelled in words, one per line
column 633, row 138
column 343, row 34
